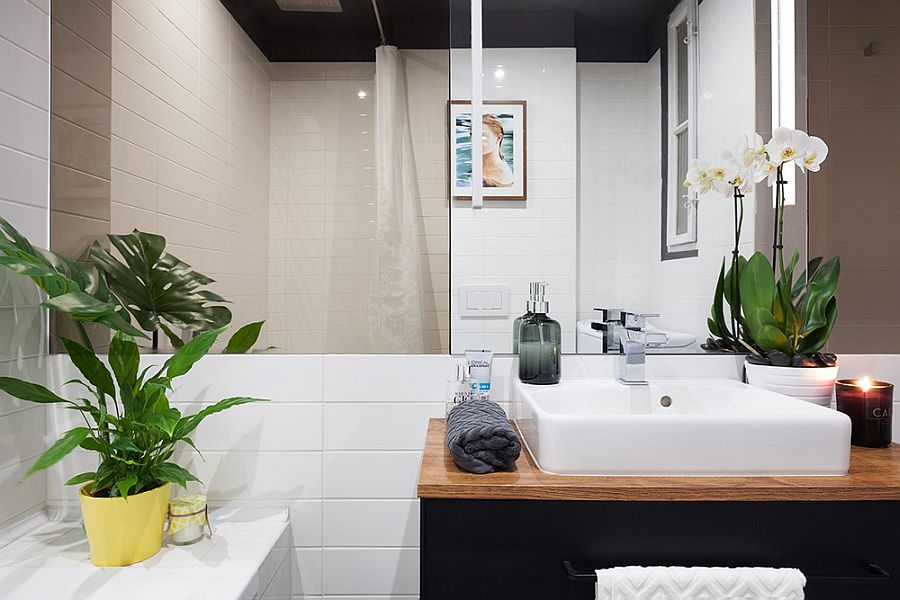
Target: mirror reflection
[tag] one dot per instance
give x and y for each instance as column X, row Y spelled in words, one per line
column 318, row 165
column 622, row 98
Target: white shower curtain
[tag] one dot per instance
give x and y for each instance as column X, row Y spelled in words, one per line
column 395, row 299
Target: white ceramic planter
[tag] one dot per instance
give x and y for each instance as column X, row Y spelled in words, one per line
column 812, row 384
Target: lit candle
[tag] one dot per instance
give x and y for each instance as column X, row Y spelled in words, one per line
column 869, row 404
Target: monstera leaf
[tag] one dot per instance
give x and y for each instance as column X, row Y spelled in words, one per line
column 70, row 287
column 157, row 288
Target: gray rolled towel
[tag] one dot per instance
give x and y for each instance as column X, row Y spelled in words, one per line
column 481, row 438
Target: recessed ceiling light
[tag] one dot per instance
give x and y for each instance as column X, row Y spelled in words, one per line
column 361, row 94
column 499, row 73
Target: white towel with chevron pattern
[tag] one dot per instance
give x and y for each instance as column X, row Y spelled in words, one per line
column 696, row 583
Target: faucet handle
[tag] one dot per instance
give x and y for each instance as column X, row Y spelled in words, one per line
column 636, row 320
column 608, row 315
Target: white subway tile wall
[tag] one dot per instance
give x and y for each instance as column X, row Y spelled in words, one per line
column 340, row 444
column 515, row 242
column 619, row 185
column 323, row 195
column 24, row 201
column 681, row 289
column 190, row 142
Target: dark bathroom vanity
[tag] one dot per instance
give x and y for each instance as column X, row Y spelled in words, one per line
column 526, row 534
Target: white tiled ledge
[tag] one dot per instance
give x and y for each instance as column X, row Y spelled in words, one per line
column 246, row 558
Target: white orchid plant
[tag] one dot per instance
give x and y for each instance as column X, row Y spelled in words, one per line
column 732, row 174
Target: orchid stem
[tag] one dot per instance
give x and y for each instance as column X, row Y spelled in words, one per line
column 736, row 261
column 778, row 235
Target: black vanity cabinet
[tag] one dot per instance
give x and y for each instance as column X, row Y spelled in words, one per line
column 529, row 535
column 495, row 549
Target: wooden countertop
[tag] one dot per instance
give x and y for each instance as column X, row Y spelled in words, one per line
column 874, row 475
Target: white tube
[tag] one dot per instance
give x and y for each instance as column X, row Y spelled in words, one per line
column 480, row 362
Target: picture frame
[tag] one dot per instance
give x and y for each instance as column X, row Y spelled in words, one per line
column 504, row 150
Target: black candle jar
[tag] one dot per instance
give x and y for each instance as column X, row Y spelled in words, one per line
column 869, row 404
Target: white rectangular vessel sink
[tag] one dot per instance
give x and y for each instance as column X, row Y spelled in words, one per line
column 685, row 427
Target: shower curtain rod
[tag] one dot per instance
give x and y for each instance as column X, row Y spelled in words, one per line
column 378, row 19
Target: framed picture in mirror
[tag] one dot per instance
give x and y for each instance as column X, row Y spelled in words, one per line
column 502, row 150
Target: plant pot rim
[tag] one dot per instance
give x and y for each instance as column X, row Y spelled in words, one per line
column 83, row 492
column 747, row 362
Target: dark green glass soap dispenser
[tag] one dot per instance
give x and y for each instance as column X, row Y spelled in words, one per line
column 540, row 340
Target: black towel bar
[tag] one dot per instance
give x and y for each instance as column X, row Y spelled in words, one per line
column 875, row 575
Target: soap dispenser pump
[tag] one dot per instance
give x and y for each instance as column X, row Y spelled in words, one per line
column 529, row 312
column 540, row 341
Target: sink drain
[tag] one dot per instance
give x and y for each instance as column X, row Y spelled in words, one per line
column 666, row 401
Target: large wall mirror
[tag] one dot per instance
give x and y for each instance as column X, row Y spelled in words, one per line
column 316, row 159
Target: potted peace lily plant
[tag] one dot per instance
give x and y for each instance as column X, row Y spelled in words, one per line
column 128, row 421
column 780, row 321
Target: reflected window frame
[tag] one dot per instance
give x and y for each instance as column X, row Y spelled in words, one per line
column 680, row 226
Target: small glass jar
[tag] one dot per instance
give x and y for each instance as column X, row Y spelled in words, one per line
column 869, row 404
column 188, row 517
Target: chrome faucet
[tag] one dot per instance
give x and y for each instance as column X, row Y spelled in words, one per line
column 626, row 330
column 631, row 368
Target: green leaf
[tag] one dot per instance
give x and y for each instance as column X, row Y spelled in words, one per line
column 125, row 444
column 821, row 290
column 124, row 484
column 731, row 290
column 800, row 285
column 79, row 304
column 772, row 338
column 106, row 475
column 55, row 453
column 90, row 366
column 176, row 341
column 185, row 357
column 92, row 444
column 158, row 287
column 31, row 392
column 84, row 307
column 82, row 478
column 757, row 284
column 172, row 473
column 244, row 338
column 124, row 359
column 189, row 423
column 718, row 311
column 165, row 420
column 816, row 340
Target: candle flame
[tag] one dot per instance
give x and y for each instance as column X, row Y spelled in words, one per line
column 865, row 383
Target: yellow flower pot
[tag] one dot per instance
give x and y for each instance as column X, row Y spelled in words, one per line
column 123, row 532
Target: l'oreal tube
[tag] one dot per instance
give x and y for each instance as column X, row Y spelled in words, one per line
column 480, row 362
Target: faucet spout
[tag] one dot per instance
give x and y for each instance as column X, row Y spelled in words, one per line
column 632, row 359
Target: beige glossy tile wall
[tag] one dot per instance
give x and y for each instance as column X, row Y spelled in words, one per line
column 24, row 168
column 323, row 196
column 190, row 141
column 855, row 106
column 80, row 42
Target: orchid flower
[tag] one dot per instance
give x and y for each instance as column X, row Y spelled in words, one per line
column 815, row 155
column 737, row 175
column 787, row 145
column 768, row 171
column 699, row 177
column 751, row 152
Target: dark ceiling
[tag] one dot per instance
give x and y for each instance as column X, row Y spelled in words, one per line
column 601, row 30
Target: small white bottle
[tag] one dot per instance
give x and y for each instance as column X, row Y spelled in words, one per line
column 466, row 387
